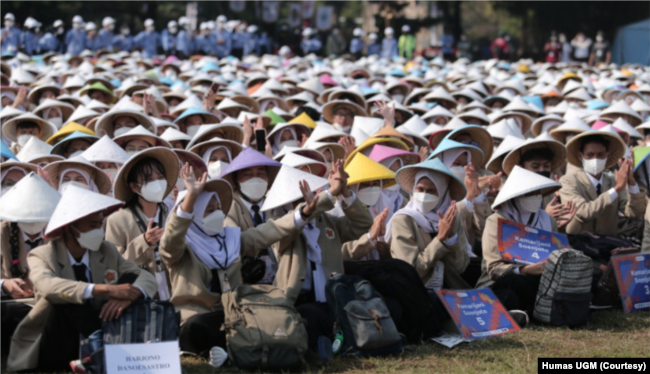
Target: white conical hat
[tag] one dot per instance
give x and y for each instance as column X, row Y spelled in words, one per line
column 9, row 112
column 312, row 85
column 96, row 104
column 323, row 132
column 640, row 106
column 286, row 190
column 573, row 125
column 31, row 200
column 126, row 103
column 105, row 150
column 623, row 125
column 621, row 107
column 9, row 127
column 74, row 81
column 229, row 103
column 337, row 150
column 560, row 108
column 504, row 128
column 139, row 132
column 161, row 122
column 301, row 96
column 274, row 85
column 439, row 93
column 364, row 127
column 34, row 148
column 172, row 135
column 75, row 204
column 522, row 181
column 414, row 125
column 579, row 94
column 295, row 160
column 191, row 101
column 438, row 111
column 475, row 113
column 81, row 112
column 66, row 109
column 508, row 144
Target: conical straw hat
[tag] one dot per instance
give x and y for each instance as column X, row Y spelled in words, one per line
column 406, row 177
column 100, row 178
column 495, row 164
column 381, row 152
column 362, row 169
column 139, row 132
column 165, row 156
column 321, row 132
column 570, row 126
column 521, row 182
column 68, row 129
column 105, row 150
column 249, row 158
column 30, row 200
column 304, row 119
column 34, row 148
column 9, row 127
column 105, row 126
column 171, row 135
column 337, row 150
column 514, row 157
column 286, row 190
column 616, row 149
column 364, row 127
column 296, row 161
column 76, row 204
column 366, row 147
column 448, row 144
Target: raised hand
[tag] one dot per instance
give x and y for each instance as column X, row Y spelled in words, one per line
column 622, row 176
column 630, row 176
column 248, row 132
column 209, row 99
column 21, row 97
column 16, row 288
column 311, row 198
column 153, row 234
column 424, row 153
column 194, row 186
column 338, row 180
column 471, row 182
column 387, row 112
column 349, row 144
column 378, row 228
column 446, row 223
column 570, row 209
column 259, row 124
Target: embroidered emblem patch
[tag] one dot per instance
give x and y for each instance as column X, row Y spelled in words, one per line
column 329, row 233
column 110, row 277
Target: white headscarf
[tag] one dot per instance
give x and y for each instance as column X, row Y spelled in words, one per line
column 540, row 220
column 208, row 153
column 449, row 156
column 427, row 221
column 216, row 250
column 6, row 171
column 52, row 112
column 91, row 183
column 278, row 136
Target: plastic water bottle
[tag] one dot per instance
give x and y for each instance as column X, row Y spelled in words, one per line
column 338, row 342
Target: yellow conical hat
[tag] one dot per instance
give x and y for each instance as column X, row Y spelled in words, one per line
column 67, row 130
column 363, row 169
column 304, row 119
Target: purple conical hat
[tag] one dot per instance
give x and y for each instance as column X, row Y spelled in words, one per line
column 249, row 158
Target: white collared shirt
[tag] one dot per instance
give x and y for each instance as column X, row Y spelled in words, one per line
column 26, row 238
column 88, row 292
column 249, row 207
column 613, row 195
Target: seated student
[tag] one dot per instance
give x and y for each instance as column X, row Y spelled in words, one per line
column 204, row 257
column 20, row 129
column 106, row 155
column 217, row 154
column 79, row 172
column 74, row 144
column 520, row 201
column 602, row 199
column 75, row 280
column 369, row 180
column 12, row 172
column 429, row 230
column 306, row 262
column 119, row 122
column 138, row 139
column 192, row 118
column 142, row 184
column 21, row 231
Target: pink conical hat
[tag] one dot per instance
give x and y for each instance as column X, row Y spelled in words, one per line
column 598, row 125
column 381, row 152
column 327, row 79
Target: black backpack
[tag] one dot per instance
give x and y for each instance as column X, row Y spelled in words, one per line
column 396, row 279
column 362, row 316
column 598, row 247
column 144, row 321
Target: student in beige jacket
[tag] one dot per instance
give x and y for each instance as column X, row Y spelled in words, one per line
column 75, row 281
column 204, row 257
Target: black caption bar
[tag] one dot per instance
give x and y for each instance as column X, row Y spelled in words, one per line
column 593, row 365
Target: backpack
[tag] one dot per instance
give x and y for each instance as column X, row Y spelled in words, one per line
column 144, row 321
column 398, row 280
column 362, row 316
column 598, row 247
column 565, row 289
column 263, row 329
column 606, row 292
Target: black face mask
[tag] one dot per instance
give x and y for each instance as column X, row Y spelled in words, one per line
column 546, row 174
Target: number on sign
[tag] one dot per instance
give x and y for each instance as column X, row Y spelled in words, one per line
column 480, row 321
column 535, row 255
column 647, row 289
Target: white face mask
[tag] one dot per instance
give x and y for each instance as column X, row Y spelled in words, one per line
column 121, row 131
column 56, row 121
column 530, row 204
column 393, row 188
column 369, row 195
column 192, row 130
column 254, row 188
column 75, row 154
column 65, row 186
column 131, row 153
column 288, row 143
column 112, row 173
column 213, row 223
column 594, row 166
column 23, row 139
column 154, row 191
column 32, row 228
column 90, row 240
column 345, row 129
column 9, row 24
column 398, row 97
column 459, row 172
column 215, row 169
column 425, row 202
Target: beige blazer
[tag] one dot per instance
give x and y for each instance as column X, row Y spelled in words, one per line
column 52, row 276
column 598, row 214
column 493, row 266
column 191, row 278
column 239, row 215
column 334, row 231
column 123, row 230
column 474, row 221
column 410, row 243
column 645, row 247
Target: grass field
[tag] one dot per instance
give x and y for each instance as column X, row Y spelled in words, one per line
column 610, row 333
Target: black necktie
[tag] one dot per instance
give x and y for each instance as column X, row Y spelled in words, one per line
column 257, row 217
column 598, row 188
column 33, row 243
column 80, row 272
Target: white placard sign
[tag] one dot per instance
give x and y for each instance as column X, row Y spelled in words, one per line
column 149, row 358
